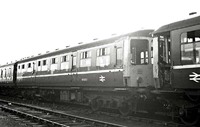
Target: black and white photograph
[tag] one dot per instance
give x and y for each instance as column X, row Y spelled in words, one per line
column 99, row 63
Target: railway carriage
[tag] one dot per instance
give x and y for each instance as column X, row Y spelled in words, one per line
column 132, row 72
column 176, row 66
column 8, row 75
column 106, row 73
column 8, row 79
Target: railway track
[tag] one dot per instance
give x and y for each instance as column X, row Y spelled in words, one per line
column 58, row 118
column 51, row 118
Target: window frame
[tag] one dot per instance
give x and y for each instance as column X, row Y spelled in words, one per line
column 29, row 65
column 39, row 63
column 53, row 60
column 74, row 61
column 86, row 55
column 119, row 57
column 188, row 40
column 44, row 62
column 64, row 58
column 23, row 66
column 103, row 51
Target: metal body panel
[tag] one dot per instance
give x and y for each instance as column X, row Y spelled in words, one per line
column 141, row 75
column 186, row 78
column 90, row 78
column 181, row 77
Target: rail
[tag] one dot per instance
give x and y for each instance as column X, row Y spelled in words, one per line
column 50, row 117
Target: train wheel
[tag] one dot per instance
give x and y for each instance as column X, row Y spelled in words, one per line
column 125, row 108
column 189, row 117
column 195, row 99
column 95, row 105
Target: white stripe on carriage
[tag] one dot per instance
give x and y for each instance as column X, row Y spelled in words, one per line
column 72, row 73
column 186, row 66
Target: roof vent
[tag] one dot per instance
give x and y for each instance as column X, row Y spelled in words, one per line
column 80, row 43
column 192, row 13
column 95, row 39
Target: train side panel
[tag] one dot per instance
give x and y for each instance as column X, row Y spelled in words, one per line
column 109, row 63
column 7, row 75
column 97, row 66
column 186, row 69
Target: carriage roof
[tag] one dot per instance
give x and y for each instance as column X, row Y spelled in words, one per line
column 178, row 25
column 141, row 33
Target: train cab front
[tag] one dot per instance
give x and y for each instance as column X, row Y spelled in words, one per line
column 138, row 73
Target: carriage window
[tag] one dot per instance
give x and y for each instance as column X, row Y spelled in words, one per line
column 103, row 51
column 1, row 73
column 29, row 65
column 151, row 55
column 85, row 55
column 119, row 56
column 142, row 57
column 73, row 61
column 65, row 58
column 85, row 59
column 103, row 57
column 53, row 60
column 139, row 51
column 44, row 62
column 10, row 72
column 5, row 73
column 190, row 47
column 39, row 63
column 147, row 57
column 23, row 66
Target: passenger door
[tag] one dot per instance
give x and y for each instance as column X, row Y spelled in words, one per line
column 74, row 67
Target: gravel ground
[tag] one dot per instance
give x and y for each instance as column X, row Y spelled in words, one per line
column 6, row 121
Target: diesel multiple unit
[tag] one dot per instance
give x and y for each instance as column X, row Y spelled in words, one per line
column 146, row 70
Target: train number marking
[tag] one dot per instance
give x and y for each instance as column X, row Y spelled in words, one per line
column 195, row 77
column 102, row 78
column 84, row 79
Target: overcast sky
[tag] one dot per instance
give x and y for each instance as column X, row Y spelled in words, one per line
column 29, row 27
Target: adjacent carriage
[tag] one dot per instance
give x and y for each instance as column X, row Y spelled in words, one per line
column 176, row 66
column 8, row 75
